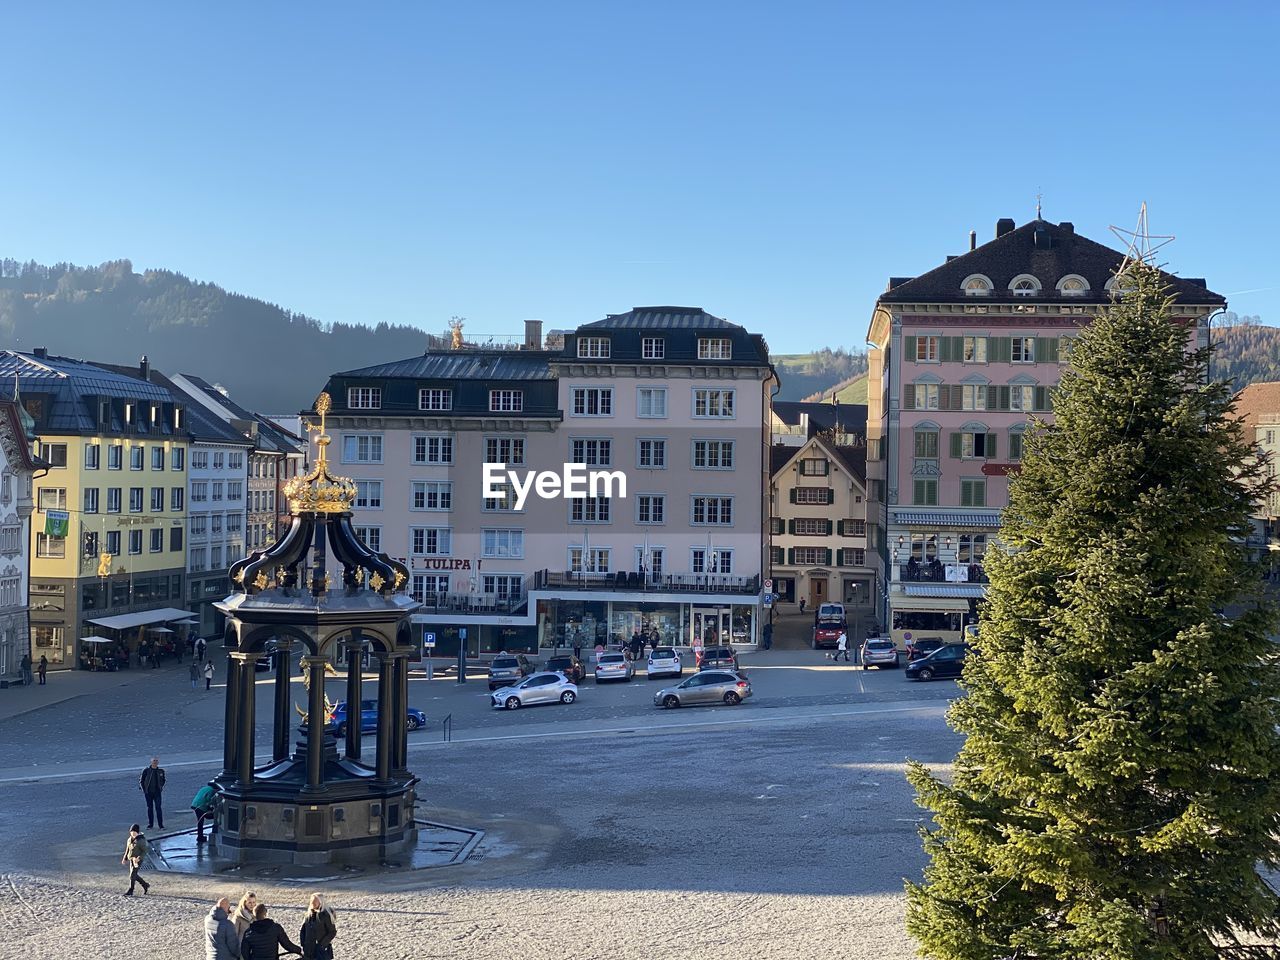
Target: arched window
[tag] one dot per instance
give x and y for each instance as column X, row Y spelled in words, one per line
column 1073, row 285
column 976, row 285
column 1024, row 285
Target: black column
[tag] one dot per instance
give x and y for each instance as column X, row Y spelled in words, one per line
column 386, row 689
column 248, row 719
column 355, row 664
column 400, row 760
column 231, row 719
column 316, row 722
column 280, row 730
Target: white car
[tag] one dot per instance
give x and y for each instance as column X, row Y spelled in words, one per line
column 664, row 662
column 831, row 611
column 536, row 688
column 613, row 666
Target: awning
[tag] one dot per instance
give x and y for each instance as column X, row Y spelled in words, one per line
column 929, row 604
column 920, row 518
column 128, row 620
column 158, row 630
column 97, row 640
column 945, row 589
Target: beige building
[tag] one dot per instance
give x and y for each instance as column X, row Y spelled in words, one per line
column 17, row 467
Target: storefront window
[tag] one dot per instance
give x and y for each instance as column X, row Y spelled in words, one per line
column 744, row 624
column 648, row 618
column 46, row 642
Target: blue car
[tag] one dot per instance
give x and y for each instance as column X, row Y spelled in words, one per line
column 369, row 717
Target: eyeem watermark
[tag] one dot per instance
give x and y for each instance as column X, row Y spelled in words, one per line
column 573, row 482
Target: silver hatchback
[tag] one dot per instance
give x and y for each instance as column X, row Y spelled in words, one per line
column 536, row 688
column 709, row 686
column 613, row 666
column 879, row 652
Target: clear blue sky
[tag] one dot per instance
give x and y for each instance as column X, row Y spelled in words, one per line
column 773, row 163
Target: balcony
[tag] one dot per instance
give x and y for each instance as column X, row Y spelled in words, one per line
column 935, row 571
column 478, row 603
column 660, row 583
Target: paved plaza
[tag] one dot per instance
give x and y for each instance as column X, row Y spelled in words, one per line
column 782, row 827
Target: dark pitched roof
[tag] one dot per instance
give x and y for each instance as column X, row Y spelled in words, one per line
column 661, row 318
column 849, row 417
column 780, row 455
column 72, row 385
column 1058, row 252
column 271, row 436
column 853, row 459
column 463, row 365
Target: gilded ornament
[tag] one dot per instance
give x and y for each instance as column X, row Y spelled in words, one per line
column 360, row 575
column 328, row 581
column 376, row 581
column 239, row 577
column 260, row 581
column 319, row 491
column 399, row 579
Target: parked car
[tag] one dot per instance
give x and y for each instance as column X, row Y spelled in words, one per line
column 923, row 646
column 509, row 669
column 718, row 658
column 613, row 666
column 571, row 667
column 831, row 611
column 946, row 661
column 536, row 688
column 879, row 652
column 706, row 686
column 664, row 662
column 826, row 634
column 369, row 717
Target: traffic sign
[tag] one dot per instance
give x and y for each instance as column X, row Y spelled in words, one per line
column 428, row 639
column 768, row 586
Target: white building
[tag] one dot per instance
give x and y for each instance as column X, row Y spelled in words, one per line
column 16, row 468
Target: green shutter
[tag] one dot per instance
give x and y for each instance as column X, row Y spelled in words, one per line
column 979, row 493
column 1015, row 446
column 909, row 397
column 966, row 493
column 840, row 528
column 1003, row 403
column 1041, row 399
column 831, row 496
column 991, row 446
column 828, row 533
column 955, row 446
column 827, row 561
column 909, row 347
column 791, row 527
column 957, row 349
column 993, row 397
column 944, row 397
column 932, row 486
column 1000, row 350
column 944, row 349
column 1047, row 349
column 791, row 556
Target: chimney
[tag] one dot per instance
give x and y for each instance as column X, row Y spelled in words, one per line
column 1004, row 225
column 1066, row 226
column 533, row 334
column 144, row 368
column 42, row 353
column 973, row 239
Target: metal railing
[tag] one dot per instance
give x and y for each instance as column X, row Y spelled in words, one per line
column 937, row 572
column 633, row 580
column 446, row 729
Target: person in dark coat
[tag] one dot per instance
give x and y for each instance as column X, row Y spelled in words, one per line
column 318, row 930
column 220, row 941
column 135, row 849
column 265, row 937
column 43, row 668
column 25, row 667
column 151, row 783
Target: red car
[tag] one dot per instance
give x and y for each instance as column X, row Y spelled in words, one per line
column 826, row 634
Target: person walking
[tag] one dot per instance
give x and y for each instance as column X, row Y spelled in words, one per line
column 264, row 938
column 243, row 915
column 768, row 636
column 842, row 647
column 200, row 646
column 151, row 783
column 208, row 675
column 318, row 930
column 43, row 668
column 24, row 667
column 802, row 604
column 204, row 804
column 220, row 941
column 195, row 674
column 135, row 848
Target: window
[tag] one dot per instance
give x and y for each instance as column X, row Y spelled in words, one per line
column 137, row 457
column 652, row 455
column 199, row 524
column 714, row 561
column 91, row 500
column 200, row 460
column 178, row 458
column 1015, row 446
column 973, row 396
column 927, row 444
column 504, row 450
column 235, row 490
column 215, row 524
column 816, row 467
column 712, row 511
column 91, row 544
column 589, row 510
column 973, row 493
column 135, row 499
column 925, row 396
column 854, row 528
column 198, row 561
column 809, row 556
column 113, row 499
column 157, row 458
column 371, row 537
column 973, row 445
column 713, row 403
column 651, row 402
column 175, row 498
column 430, row 541
column 234, row 522
column 713, row 454
column 972, row 548
column 92, row 455
column 651, row 508
column 592, row 402
column 506, row 401
column 235, row 461
column 369, row 494
column 53, row 498
column 596, row 560
column 362, row 448
column 219, row 459
column 1073, row 285
column 1024, row 285
column 505, row 587
column 54, row 454
column 157, row 499
column 715, row 348
column 431, row 495
column 157, row 541
column 115, row 457
column 811, row 527
column 364, row 398
column 975, row 350
column 1022, row 397
column 135, row 542
column 175, row 539
column 217, row 490
column 215, row 557
column 812, row 496
column 428, row 585
column 926, row 349
column 592, row 453
column 502, row 543
column 435, row 398
column 1024, row 350
column 433, row 449
column 54, row 548
column 113, row 542
column 976, row 286
column 505, row 500
column 925, row 493
column 653, row 348
column 593, row 348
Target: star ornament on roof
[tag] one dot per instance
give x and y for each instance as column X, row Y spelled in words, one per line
column 1141, row 245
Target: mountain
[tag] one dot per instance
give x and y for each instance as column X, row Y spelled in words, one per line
column 806, row 374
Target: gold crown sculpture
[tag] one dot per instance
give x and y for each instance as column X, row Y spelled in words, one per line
column 319, row 491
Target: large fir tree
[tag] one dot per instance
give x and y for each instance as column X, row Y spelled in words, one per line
column 1118, row 790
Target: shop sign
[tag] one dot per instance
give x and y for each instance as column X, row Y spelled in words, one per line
column 441, row 563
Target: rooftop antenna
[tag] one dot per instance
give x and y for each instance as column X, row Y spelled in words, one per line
column 1140, row 243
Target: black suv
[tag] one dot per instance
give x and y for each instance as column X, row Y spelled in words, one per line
column 719, row 658
column 922, row 647
column 571, row 667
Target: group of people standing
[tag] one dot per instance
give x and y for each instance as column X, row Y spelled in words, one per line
column 42, row 668
column 249, row 933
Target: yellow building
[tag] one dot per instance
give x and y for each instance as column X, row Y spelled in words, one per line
column 108, row 533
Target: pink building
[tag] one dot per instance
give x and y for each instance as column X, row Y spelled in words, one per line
column 962, row 357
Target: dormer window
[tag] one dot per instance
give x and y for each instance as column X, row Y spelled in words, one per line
column 977, row 286
column 1024, row 285
column 593, row 348
column 653, row 348
column 364, row 398
column 506, row 401
column 1073, row 285
column 715, row 348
